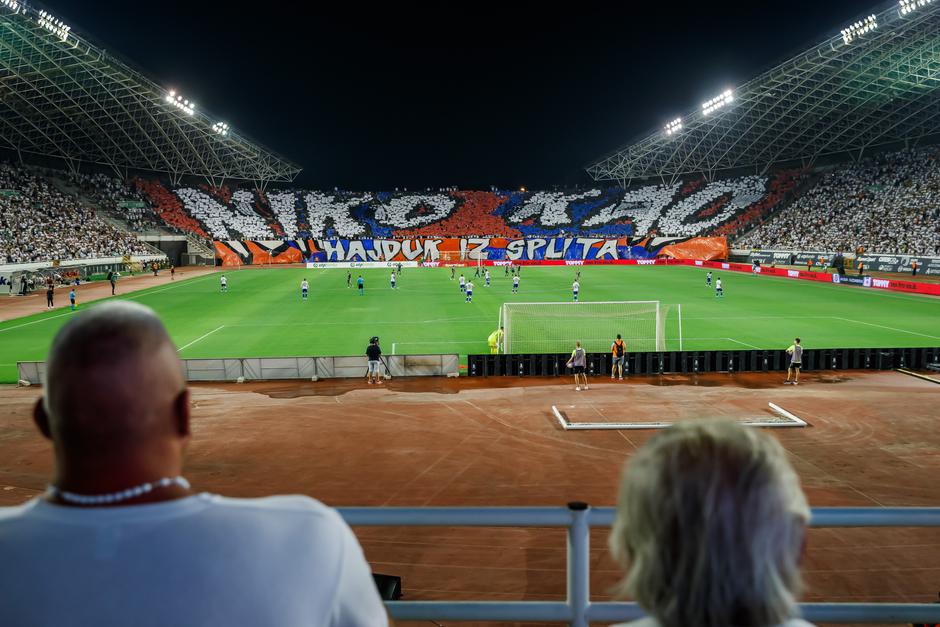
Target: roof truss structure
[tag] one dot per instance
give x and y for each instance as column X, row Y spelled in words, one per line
column 849, row 94
column 62, row 97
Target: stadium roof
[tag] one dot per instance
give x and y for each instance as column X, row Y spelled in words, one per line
column 61, row 96
column 876, row 83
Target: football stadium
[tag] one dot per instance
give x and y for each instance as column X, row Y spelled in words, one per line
column 700, row 381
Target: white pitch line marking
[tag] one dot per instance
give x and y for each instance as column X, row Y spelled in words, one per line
column 201, row 337
column 742, row 343
column 881, row 326
column 120, row 297
column 26, row 324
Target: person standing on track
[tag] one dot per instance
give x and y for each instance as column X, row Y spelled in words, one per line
column 373, row 354
column 72, row 298
column 172, row 272
column 50, row 295
column 618, row 351
column 795, row 351
column 577, row 362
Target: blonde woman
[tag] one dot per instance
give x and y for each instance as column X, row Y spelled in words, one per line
column 710, row 528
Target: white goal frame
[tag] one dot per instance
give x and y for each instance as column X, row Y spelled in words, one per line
column 503, row 320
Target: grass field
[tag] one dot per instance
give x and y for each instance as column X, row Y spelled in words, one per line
column 263, row 315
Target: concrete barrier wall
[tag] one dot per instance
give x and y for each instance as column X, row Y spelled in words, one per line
column 272, row 368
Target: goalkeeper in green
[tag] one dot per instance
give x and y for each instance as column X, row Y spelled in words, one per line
column 494, row 340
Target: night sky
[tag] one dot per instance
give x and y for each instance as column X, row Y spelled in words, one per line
column 470, row 95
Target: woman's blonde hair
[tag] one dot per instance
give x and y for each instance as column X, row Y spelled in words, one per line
column 710, row 527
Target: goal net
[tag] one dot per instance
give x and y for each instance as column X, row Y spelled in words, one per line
column 455, row 256
column 554, row 327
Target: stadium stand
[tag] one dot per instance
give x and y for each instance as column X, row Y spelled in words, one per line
column 696, row 208
column 40, row 223
column 890, row 204
column 111, row 195
column 168, row 206
column 887, row 204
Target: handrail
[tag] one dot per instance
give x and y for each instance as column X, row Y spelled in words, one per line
column 579, row 518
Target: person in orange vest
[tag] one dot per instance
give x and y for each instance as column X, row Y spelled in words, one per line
column 809, row 265
column 913, row 267
column 861, row 268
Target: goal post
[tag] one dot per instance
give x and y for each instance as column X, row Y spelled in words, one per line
column 554, row 327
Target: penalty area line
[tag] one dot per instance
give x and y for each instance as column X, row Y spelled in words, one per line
column 201, row 337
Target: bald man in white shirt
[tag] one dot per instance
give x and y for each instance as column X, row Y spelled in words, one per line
column 120, row 538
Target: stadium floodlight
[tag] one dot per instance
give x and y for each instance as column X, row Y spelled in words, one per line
column 718, row 101
column 180, row 103
column 221, row 128
column 674, row 127
column 909, row 6
column 854, row 31
column 13, row 5
column 53, row 25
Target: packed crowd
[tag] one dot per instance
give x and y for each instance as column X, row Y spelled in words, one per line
column 697, row 208
column 887, row 204
column 123, row 201
column 40, row 223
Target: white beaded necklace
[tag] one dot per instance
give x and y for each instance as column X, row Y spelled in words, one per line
column 116, row 497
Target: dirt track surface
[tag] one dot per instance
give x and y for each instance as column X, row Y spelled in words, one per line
column 872, row 441
column 19, row 306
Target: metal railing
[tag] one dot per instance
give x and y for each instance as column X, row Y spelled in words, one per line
column 578, row 518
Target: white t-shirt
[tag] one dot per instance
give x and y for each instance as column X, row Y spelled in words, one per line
column 304, row 285
column 280, row 561
column 223, row 280
column 575, row 286
column 515, row 280
column 718, row 283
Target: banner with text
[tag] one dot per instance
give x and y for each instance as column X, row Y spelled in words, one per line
column 469, row 249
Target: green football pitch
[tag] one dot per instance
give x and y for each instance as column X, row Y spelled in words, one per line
column 262, row 315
